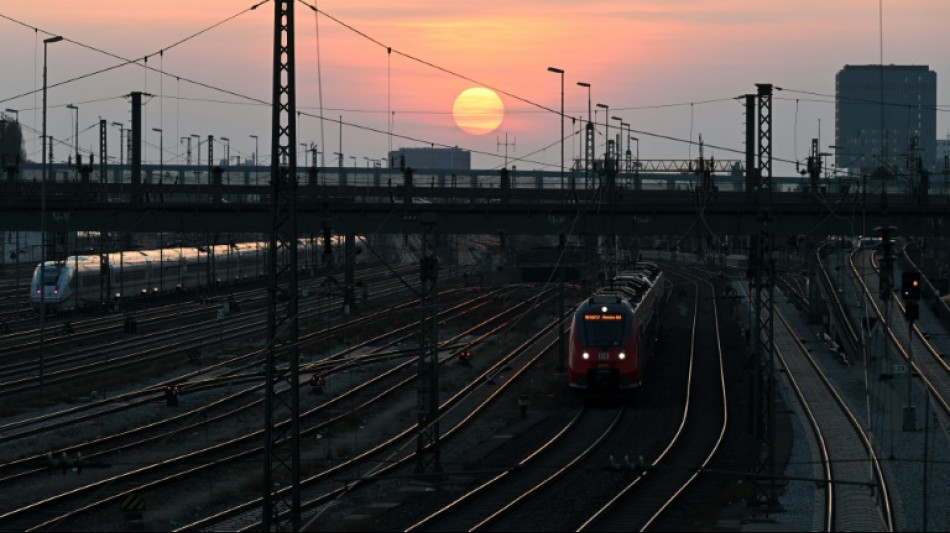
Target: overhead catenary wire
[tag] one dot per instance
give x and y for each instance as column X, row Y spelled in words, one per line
column 143, row 61
column 247, row 99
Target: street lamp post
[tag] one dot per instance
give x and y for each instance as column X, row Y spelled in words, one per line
column 636, row 165
column 606, row 109
column 255, row 148
column 255, row 157
column 76, row 136
column 585, row 84
column 198, row 146
column 606, row 137
column 620, row 144
column 561, row 72
column 198, row 157
column 227, row 158
column 588, row 135
column 353, row 157
column 626, row 153
column 161, row 152
column 121, row 147
column 42, row 274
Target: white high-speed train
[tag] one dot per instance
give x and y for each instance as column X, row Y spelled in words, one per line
column 89, row 280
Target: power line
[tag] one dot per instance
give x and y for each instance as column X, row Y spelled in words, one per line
column 411, row 57
column 144, row 59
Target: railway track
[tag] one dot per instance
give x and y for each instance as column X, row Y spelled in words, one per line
column 156, row 475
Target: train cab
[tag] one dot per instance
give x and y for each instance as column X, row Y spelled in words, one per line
column 603, row 345
column 50, row 286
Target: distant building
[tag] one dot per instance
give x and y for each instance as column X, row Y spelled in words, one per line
column 426, row 158
column 943, row 155
column 879, row 110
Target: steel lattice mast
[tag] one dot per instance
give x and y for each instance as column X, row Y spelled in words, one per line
column 281, row 508
column 763, row 303
column 428, row 453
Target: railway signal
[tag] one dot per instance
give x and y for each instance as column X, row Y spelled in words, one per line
column 171, row 395
column 910, row 285
column 316, row 384
column 910, row 291
column 911, row 311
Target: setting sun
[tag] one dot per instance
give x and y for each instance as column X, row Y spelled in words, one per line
column 478, row 111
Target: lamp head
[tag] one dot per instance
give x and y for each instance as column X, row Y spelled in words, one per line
column 555, row 70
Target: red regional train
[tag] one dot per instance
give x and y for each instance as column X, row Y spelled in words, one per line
column 614, row 332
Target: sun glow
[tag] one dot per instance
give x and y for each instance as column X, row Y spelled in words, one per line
column 478, row 111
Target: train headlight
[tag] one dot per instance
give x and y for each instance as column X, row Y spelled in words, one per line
column 622, row 356
column 586, row 355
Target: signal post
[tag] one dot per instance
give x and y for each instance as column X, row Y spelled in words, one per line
column 910, row 291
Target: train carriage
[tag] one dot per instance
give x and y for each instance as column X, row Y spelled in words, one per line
column 614, row 331
column 88, row 280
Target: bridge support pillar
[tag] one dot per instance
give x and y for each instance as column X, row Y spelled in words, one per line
column 216, row 174
column 349, row 268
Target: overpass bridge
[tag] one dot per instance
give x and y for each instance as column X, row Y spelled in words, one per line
column 518, row 202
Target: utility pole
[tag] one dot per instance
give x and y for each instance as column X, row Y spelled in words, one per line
column 762, row 283
column 187, row 140
column 506, row 145
column 910, row 292
column 588, row 137
column 135, row 138
column 427, row 442
column 103, row 150
column 886, row 284
column 281, row 505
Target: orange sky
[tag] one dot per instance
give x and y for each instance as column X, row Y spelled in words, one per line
column 668, row 67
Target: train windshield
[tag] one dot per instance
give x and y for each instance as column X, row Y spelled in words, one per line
column 50, row 274
column 604, row 329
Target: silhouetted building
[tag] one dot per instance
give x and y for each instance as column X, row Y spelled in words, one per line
column 441, row 158
column 879, row 111
column 943, row 155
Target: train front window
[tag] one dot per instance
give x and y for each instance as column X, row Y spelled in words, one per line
column 50, row 275
column 604, row 329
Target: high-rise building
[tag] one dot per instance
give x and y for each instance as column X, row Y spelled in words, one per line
column 881, row 113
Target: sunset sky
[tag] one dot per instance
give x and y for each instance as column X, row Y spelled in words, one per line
column 672, row 69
